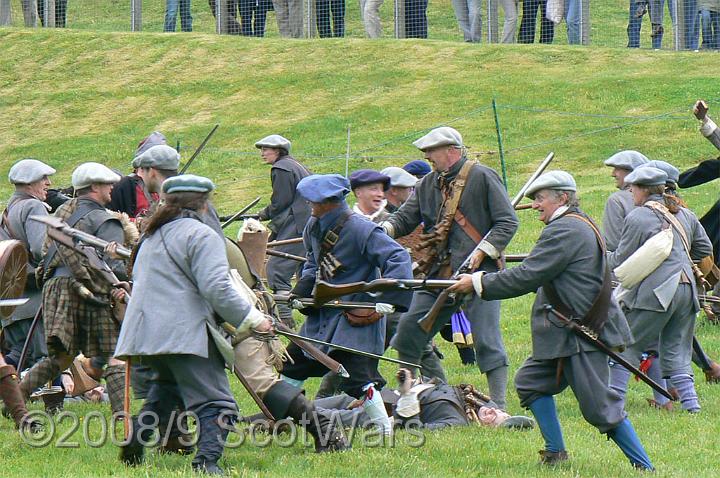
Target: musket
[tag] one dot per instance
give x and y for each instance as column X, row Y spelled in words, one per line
column 199, row 149
column 285, row 242
column 333, row 304
column 324, row 291
column 242, row 211
column 708, row 298
column 515, row 257
column 426, row 323
column 60, row 226
column 285, row 255
column 590, row 337
column 292, row 335
column 280, row 328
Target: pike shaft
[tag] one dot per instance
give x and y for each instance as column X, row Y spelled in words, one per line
column 347, row 349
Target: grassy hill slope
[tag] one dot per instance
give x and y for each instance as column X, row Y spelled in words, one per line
column 72, row 96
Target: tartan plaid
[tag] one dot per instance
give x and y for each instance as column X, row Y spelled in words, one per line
column 79, row 325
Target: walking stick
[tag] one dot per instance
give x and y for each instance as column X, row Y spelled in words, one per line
column 26, row 345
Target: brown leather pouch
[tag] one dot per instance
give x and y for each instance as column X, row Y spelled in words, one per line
column 709, row 269
column 361, row 317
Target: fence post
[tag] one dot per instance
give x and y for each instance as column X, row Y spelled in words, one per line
column 501, row 150
column 135, row 15
column 585, row 25
column 399, row 18
column 221, row 20
column 681, row 25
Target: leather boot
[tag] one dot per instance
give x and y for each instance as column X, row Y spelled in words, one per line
column 211, row 442
column 285, row 400
column 178, row 443
column 11, row 395
column 133, row 453
column 326, row 436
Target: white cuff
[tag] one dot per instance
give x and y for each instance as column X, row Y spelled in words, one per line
column 489, row 249
column 252, row 319
column 408, row 405
column 708, row 127
column 389, row 229
column 477, row 283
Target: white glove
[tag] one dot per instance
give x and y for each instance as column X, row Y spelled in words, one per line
column 296, row 304
column 382, row 308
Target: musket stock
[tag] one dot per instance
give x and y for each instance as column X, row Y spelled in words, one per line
column 325, row 291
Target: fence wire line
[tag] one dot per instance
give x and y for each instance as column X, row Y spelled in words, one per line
column 322, row 159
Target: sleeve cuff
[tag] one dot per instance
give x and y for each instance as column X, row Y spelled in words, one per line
column 389, row 229
column 408, row 405
column 477, row 283
column 708, row 127
column 489, row 249
column 252, row 319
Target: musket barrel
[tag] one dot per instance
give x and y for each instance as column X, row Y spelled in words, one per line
column 285, row 242
column 285, row 255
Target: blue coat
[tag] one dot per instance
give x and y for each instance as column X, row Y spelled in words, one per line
column 366, row 253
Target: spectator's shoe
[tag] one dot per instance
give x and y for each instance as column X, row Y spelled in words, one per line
column 552, row 457
column 713, row 374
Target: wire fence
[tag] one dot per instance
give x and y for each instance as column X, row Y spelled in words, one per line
column 688, row 24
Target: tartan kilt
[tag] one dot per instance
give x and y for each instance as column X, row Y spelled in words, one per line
column 80, row 326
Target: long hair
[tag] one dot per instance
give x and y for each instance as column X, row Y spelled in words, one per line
column 672, row 202
column 173, row 206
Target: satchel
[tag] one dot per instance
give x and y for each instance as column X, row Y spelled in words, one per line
column 362, row 317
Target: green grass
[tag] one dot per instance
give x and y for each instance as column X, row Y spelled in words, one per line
column 74, row 96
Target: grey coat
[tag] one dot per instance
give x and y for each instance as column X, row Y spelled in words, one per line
column 484, row 203
column 288, row 212
column 657, row 290
column 174, row 298
column 566, row 255
column 617, row 207
column 32, row 234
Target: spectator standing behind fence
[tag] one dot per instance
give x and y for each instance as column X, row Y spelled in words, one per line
column 469, row 18
column 416, row 18
column 60, row 12
column 511, row 16
column 529, row 20
column 710, row 18
column 289, row 14
column 326, row 8
column 171, row 11
column 657, row 18
column 253, row 14
column 570, row 11
column 370, row 12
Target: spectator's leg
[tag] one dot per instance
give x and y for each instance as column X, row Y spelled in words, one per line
column 338, row 14
column 511, row 17
column 60, row 13
column 475, row 20
column 656, row 18
column 41, row 11
column 282, row 17
column 527, row 24
column 715, row 22
column 171, row 8
column 691, row 24
column 416, row 18
column 572, row 19
column 373, row 27
column 261, row 17
column 463, row 17
column 706, row 29
column 296, row 11
column 30, row 12
column 185, row 16
column 246, row 7
column 322, row 18
column 634, row 24
column 547, row 28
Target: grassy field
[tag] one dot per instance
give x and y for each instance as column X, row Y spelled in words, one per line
column 75, row 96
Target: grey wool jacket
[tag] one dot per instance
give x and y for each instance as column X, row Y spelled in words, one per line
column 657, row 290
column 566, row 255
column 484, row 203
column 174, row 299
column 617, row 207
column 288, row 212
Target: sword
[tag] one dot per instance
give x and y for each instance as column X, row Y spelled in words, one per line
column 293, row 335
column 199, row 149
column 582, row 332
column 240, row 213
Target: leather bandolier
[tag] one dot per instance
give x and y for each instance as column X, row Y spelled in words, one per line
column 432, row 253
